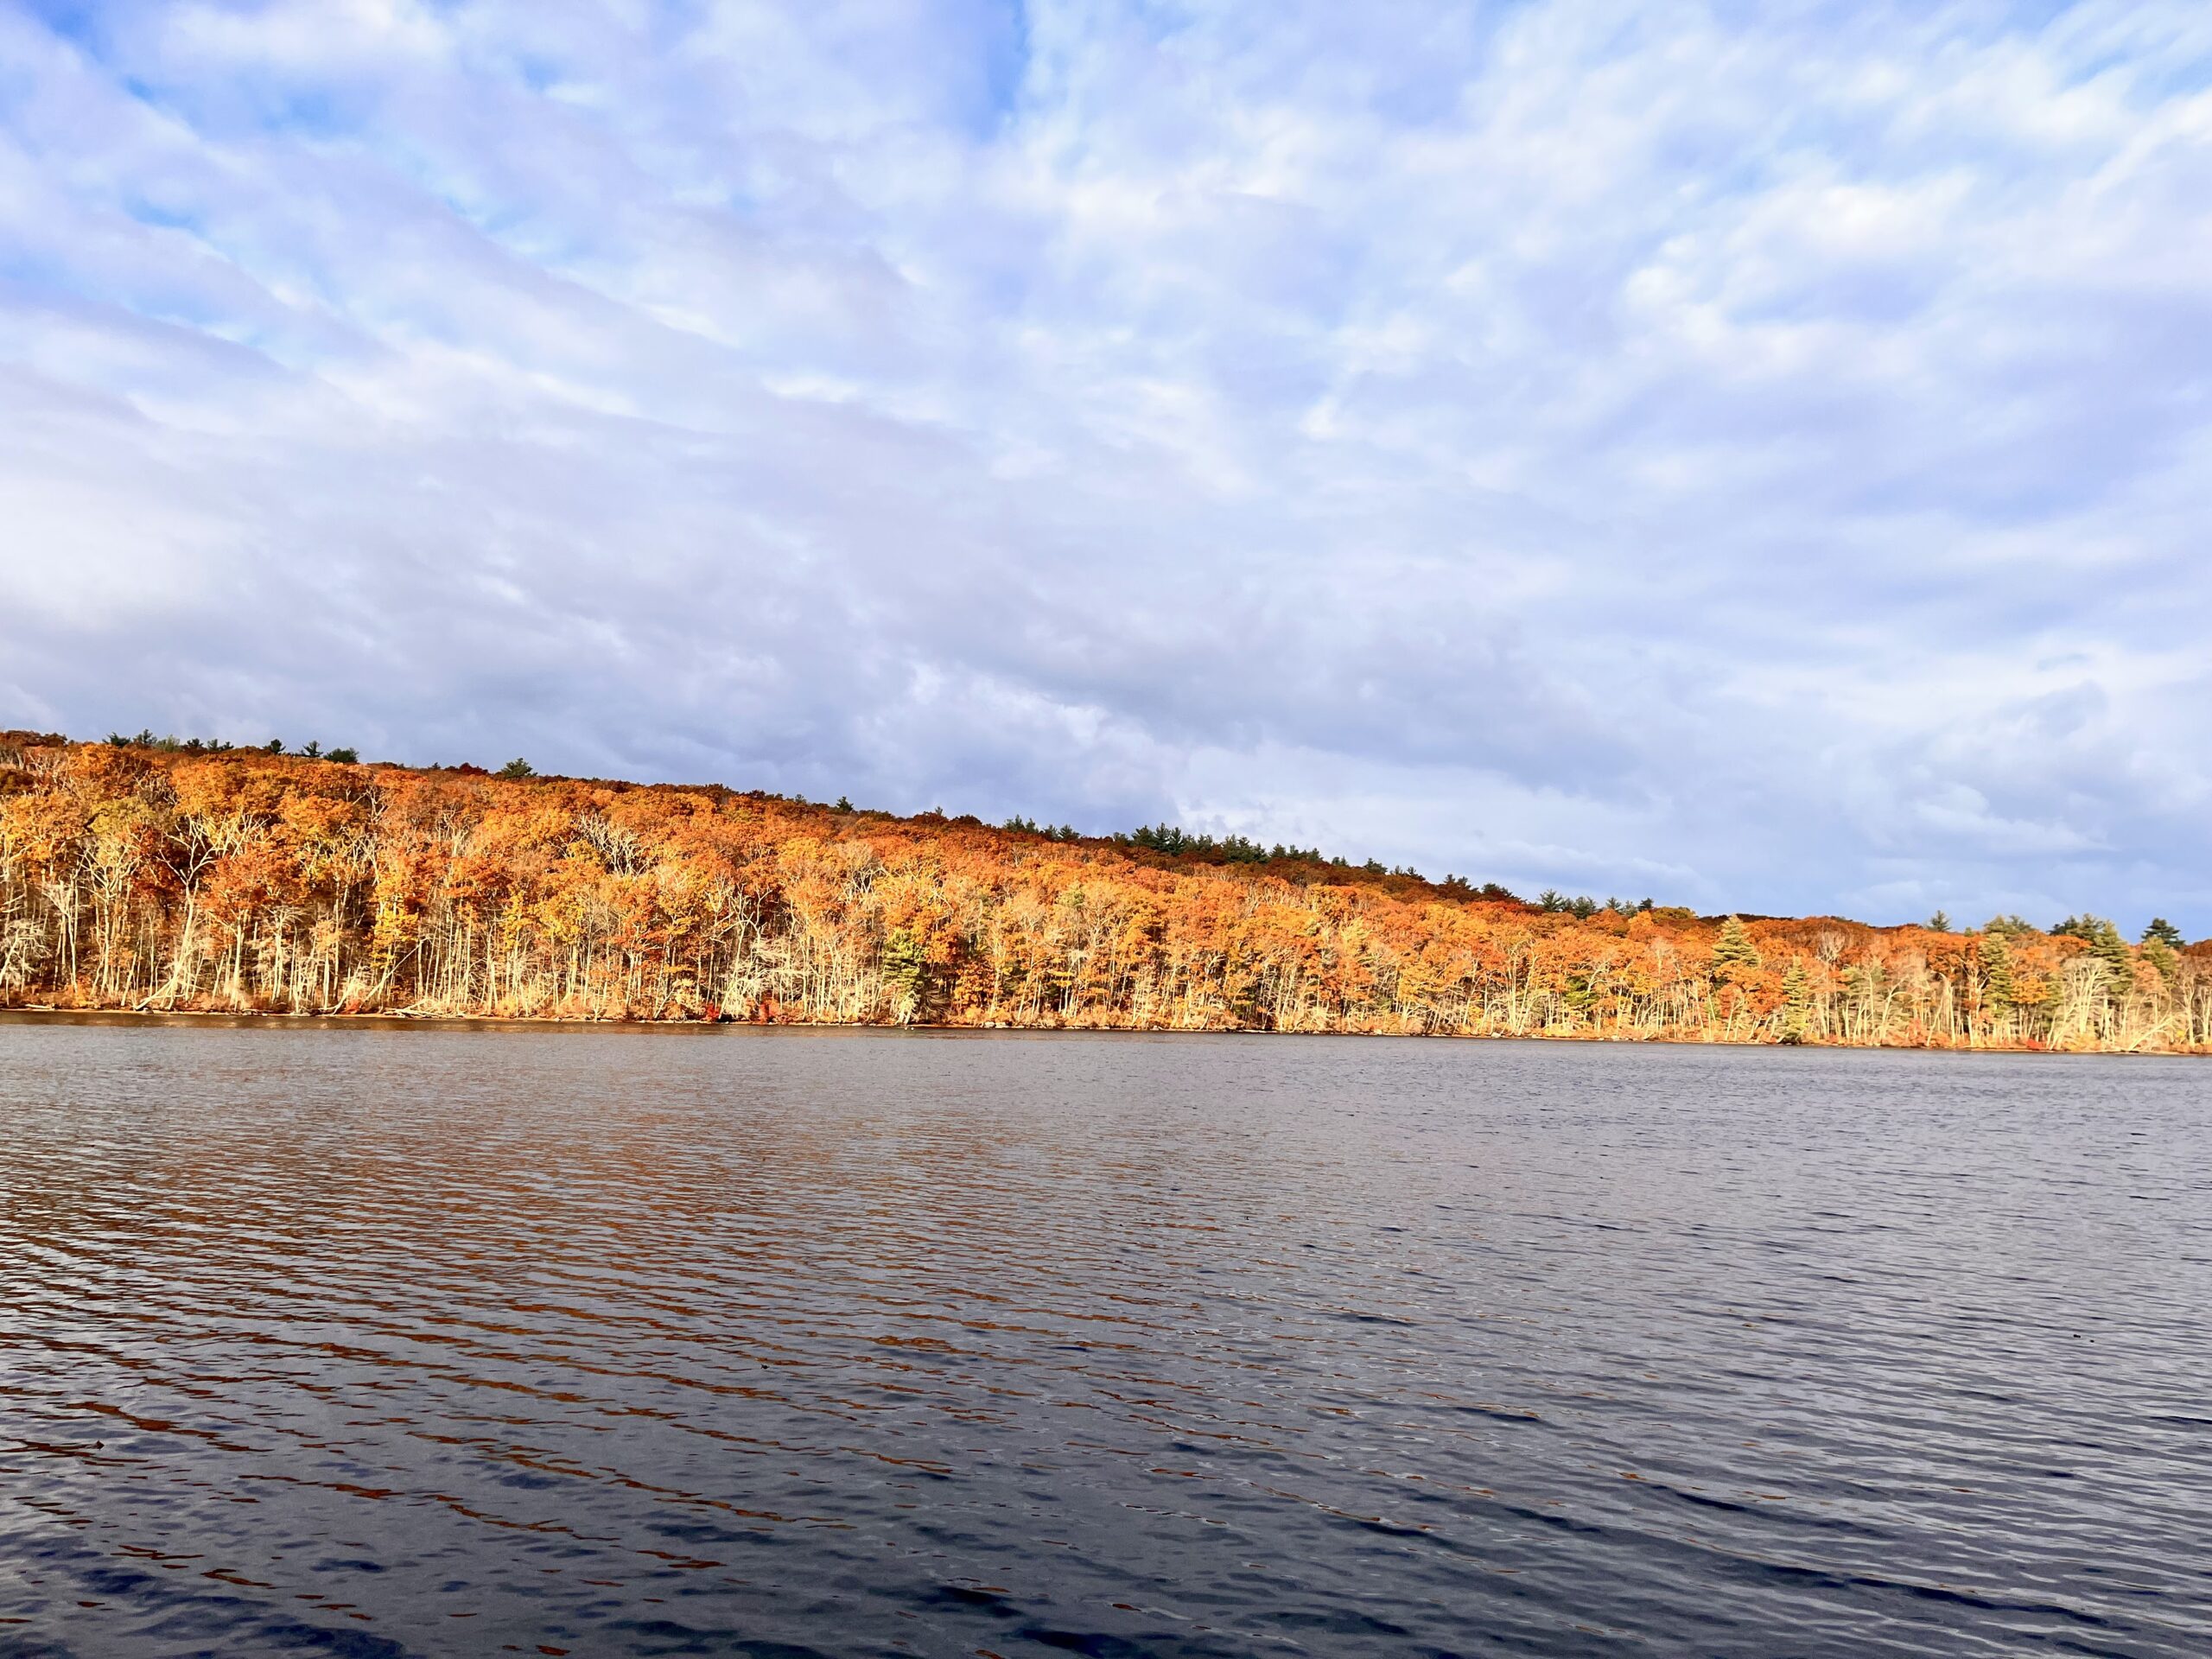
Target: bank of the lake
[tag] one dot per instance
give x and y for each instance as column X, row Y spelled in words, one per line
column 247, row 1020
column 136, row 877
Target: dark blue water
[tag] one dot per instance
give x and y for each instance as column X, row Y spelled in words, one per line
column 430, row 1342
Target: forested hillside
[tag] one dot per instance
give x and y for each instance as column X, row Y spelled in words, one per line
column 139, row 876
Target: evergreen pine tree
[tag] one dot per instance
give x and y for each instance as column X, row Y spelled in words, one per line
column 906, row 972
column 2165, row 932
column 1733, row 950
column 2000, row 986
column 1797, row 1002
column 2120, row 961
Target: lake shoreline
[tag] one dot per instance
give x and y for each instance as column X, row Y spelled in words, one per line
column 265, row 881
column 394, row 1020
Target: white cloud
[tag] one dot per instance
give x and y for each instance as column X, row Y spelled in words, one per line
column 1759, row 459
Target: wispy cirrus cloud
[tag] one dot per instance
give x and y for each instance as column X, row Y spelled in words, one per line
column 1756, row 457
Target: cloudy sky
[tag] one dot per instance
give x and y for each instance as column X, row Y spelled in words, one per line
column 1758, row 455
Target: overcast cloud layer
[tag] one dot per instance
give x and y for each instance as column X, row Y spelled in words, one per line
column 1758, row 456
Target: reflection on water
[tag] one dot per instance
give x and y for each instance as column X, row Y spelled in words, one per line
column 382, row 1342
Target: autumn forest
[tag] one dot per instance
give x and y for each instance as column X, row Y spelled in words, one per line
column 152, row 876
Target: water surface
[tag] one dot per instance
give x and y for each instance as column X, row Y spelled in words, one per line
column 381, row 1342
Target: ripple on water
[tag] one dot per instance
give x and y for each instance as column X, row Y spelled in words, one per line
column 372, row 1342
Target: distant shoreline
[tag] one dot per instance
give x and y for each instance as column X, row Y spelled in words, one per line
column 140, row 875
column 216, row 1019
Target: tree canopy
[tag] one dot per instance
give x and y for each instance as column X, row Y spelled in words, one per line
column 159, row 873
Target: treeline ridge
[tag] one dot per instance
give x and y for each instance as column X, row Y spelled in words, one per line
column 151, row 876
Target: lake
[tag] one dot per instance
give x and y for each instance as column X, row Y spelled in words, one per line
column 382, row 1341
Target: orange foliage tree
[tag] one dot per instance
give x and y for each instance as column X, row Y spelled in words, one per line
column 145, row 878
